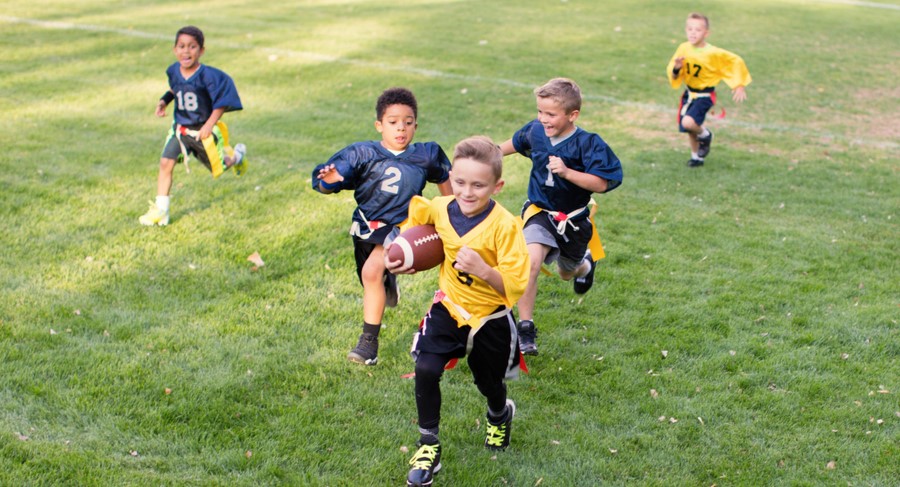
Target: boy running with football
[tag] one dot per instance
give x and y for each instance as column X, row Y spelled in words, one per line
column 484, row 272
column 384, row 175
column 202, row 94
column 568, row 165
column 700, row 66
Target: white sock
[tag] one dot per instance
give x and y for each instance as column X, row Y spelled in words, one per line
column 162, row 202
column 693, row 156
column 704, row 134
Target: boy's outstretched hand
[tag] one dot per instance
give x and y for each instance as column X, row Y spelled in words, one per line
column 330, row 174
column 739, row 95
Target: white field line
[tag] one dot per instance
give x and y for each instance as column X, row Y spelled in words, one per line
column 432, row 73
column 854, row 3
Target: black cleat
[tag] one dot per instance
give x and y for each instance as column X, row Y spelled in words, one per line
column 705, row 142
column 583, row 284
column 366, row 351
column 527, row 336
column 498, row 433
column 695, row 162
column 426, row 462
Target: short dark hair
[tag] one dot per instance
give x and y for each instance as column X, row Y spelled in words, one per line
column 192, row 31
column 396, row 96
column 699, row 16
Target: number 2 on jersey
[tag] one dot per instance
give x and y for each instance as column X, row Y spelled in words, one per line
column 390, row 185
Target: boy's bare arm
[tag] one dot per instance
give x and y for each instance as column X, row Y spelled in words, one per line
column 507, row 148
column 739, row 94
column 445, row 188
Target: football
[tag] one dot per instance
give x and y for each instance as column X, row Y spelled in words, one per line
column 419, row 247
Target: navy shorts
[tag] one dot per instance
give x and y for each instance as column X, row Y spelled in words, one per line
column 696, row 108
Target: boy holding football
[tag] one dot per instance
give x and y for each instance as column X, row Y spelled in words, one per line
column 568, row 165
column 384, row 175
column 484, row 272
column 202, row 95
column 700, row 66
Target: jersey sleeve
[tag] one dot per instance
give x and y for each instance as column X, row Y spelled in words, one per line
column 521, row 140
column 439, row 170
column 734, row 69
column 675, row 81
column 420, row 213
column 345, row 162
column 513, row 261
column 223, row 92
column 601, row 161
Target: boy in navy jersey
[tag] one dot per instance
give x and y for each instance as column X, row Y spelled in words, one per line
column 484, row 272
column 202, row 95
column 384, row 175
column 569, row 164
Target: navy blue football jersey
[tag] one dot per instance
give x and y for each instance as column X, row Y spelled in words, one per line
column 583, row 151
column 196, row 97
column 382, row 183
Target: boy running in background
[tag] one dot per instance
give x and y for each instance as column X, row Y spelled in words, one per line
column 384, row 175
column 700, row 66
column 484, row 272
column 202, row 94
column 569, row 164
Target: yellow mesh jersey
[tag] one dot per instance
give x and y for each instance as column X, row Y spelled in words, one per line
column 498, row 240
column 704, row 67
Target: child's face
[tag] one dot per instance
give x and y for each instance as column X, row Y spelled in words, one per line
column 397, row 127
column 187, row 51
column 473, row 184
column 554, row 118
column 696, row 32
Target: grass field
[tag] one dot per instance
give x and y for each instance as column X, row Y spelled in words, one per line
column 159, row 356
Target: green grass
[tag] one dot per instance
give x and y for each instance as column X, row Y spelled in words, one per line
column 770, row 276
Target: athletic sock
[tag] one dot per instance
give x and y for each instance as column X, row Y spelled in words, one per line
column 704, row 134
column 162, row 202
column 371, row 329
column 695, row 156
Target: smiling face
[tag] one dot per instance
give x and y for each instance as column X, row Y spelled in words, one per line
column 397, row 127
column 473, row 184
column 188, row 51
column 554, row 118
column 696, row 30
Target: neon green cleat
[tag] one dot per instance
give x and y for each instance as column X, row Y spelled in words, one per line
column 154, row 216
column 240, row 163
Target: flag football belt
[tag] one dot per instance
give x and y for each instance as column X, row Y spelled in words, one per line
column 595, row 245
column 371, row 226
column 206, row 150
column 693, row 95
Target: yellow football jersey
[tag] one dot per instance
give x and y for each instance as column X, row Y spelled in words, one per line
column 704, row 67
column 498, row 240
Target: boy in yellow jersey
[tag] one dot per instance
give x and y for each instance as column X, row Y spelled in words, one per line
column 485, row 271
column 700, row 66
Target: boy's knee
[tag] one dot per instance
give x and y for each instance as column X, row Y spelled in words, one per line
column 689, row 124
column 429, row 371
column 166, row 164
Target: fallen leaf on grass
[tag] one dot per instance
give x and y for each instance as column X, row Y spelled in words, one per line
column 404, row 449
column 830, row 465
column 256, row 260
column 665, row 353
column 653, row 393
column 77, row 312
column 844, row 356
column 167, row 391
column 673, row 420
column 555, row 442
column 52, row 331
column 133, row 453
column 701, row 420
column 248, row 454
column 613, row 451
column 662, row 418
column 21, row 436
